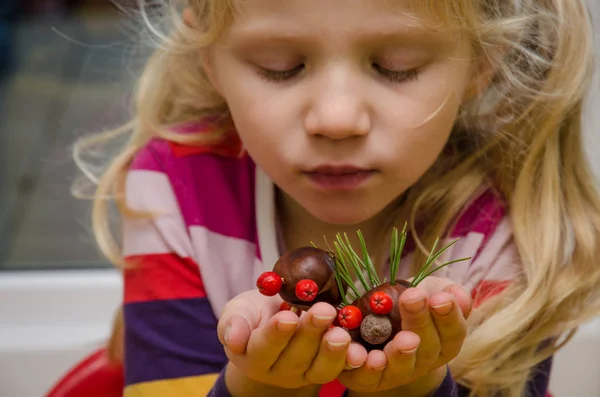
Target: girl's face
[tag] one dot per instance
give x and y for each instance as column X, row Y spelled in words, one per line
column 344, row 104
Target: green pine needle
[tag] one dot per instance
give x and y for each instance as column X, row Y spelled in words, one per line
column 338, row 279
column 424, row 272
column 365, row 262
column 348, row 261
column 343, row 270
column 396, row 248
column 443, row 265
column 348, row 255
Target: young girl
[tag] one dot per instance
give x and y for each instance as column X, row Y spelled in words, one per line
column 261, row 126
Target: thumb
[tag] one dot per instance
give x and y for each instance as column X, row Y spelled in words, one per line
column 239, row 317
column 234, row 333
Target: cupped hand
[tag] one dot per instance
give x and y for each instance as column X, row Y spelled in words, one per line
column 433, row 330
column 279, row 349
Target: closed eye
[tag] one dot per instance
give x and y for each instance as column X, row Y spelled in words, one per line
column 280, row 75
column 397, row 76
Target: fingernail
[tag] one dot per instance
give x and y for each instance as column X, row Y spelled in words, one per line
column 286, row 326
column 354, row 366
column 443, row 309
column 336, row 345
column 322, row 321
column 380, row 368
column 226, row 336
column 414, row 306
column 413, row 351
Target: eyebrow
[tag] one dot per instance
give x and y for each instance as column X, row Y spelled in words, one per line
column 272, row 33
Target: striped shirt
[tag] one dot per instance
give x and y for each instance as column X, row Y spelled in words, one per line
column 214, row 231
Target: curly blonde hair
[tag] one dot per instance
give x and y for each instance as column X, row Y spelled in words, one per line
column 522, row 134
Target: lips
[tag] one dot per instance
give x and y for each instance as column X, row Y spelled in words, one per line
column 344, row 177
column 337, row 170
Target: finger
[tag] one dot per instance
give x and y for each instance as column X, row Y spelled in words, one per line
column 415, row 315
column 236, row 335
column 331, row 358
column 450, row 323
column 356, row 357
column 252, row 308
column 401, row 354
column 432, row 285
column 463, row 298
column 368, row 377
column 304, row 345
column 267, row 342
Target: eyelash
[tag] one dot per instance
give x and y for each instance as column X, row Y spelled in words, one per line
column 397, row 76
column 394, row 76
column 280, row 75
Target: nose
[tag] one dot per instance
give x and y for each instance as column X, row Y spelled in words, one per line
column 338, row 109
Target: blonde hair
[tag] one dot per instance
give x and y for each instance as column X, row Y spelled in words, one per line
column 521, row 134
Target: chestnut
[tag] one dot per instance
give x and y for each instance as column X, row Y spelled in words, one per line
column 308, row 276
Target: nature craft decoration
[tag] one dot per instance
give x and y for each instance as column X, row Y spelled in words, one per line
column 307, row 275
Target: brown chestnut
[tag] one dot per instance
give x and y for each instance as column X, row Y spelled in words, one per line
column 308, row 263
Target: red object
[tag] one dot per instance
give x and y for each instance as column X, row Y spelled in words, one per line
column 95, row 376
column 269, row 283
column 350, row 317
column 229, row 146
column 306, row 290
column 381, row 303
column 332, row 389
column 161, row 277
column 486, row 290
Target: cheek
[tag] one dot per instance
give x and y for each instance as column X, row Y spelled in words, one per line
column 420, row 132
column 432, row 100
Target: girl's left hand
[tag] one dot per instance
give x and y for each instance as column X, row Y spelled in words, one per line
column 434, row 327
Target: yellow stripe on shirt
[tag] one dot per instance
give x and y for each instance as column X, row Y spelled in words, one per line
column 180, row 387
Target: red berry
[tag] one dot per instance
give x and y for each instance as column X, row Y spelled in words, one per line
column 269, row 283
column 381, row 303
column 350, row 317
column 306, row 290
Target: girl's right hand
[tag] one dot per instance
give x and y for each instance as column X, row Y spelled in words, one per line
column 279, row 349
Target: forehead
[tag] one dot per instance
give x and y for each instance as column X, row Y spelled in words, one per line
column 343, row 16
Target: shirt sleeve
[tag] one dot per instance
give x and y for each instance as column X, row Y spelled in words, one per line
column 171, row 346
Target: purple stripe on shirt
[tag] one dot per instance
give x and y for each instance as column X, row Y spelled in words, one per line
column 220, row 388
column 448, row 387
column 171, row 339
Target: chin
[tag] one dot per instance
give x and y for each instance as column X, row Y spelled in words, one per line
column 340, row 214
